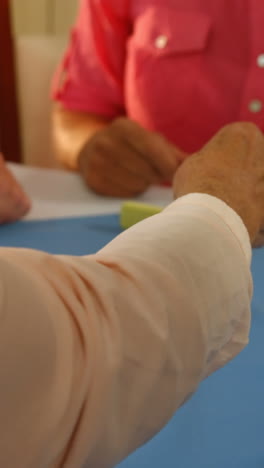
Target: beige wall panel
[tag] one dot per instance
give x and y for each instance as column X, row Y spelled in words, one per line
column 37, row 57
column 29, row 16
column 64, row 15
column 41, row 28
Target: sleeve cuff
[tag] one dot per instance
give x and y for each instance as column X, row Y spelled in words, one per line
column 223, row 211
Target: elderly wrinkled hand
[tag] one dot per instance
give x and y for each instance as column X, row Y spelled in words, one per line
column 230, row 167
column 123, row 159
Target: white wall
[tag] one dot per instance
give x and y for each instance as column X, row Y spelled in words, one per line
column 40, row 28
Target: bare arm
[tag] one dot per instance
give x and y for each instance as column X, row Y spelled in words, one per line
column 71, row 130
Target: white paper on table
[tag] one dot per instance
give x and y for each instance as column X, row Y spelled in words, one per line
column 59, row 194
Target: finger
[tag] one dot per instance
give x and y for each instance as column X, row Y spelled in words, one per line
column 107, row 186
column 236, row 142
column 114, row 148
column 110, row 186
column 163, row 156
column 11, row 209
column 22, row 202
column 121, row 153
column 13, row 202
column 259, row 240
column 110, row 179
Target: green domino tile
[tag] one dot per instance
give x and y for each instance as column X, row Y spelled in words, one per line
column 134, row 212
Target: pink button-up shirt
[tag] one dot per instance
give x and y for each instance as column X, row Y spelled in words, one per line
column 182, row 67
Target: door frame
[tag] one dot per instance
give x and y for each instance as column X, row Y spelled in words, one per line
column 9, row 117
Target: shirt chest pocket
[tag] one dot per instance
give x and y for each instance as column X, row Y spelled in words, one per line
column 165, row 59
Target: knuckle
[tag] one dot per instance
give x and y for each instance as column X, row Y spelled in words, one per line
column 124, row 126
column 100, row 143
column 95, row 181
column 96, row 163
column 119, row 122
column 243, row 129
column 139, row 186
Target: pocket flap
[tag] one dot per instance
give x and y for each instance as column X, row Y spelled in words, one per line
column 167, row 31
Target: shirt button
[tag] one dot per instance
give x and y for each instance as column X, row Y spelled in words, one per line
column 161, row 42
column 260, row 60
column 255, row 106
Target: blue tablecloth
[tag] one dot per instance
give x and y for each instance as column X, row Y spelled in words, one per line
column 222, row 426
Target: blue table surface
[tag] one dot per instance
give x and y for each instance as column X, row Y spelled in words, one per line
column 222, row 426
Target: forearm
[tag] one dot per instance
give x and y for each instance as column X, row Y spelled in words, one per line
column 115, row 342
column 71, row 130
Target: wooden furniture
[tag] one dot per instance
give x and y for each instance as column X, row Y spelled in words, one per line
column 9, row 120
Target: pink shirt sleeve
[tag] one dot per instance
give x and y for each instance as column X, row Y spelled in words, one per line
column 90, row 77
column 95, row 353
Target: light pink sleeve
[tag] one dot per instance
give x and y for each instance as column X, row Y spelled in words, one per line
column 90, row 77
column 97, row 353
